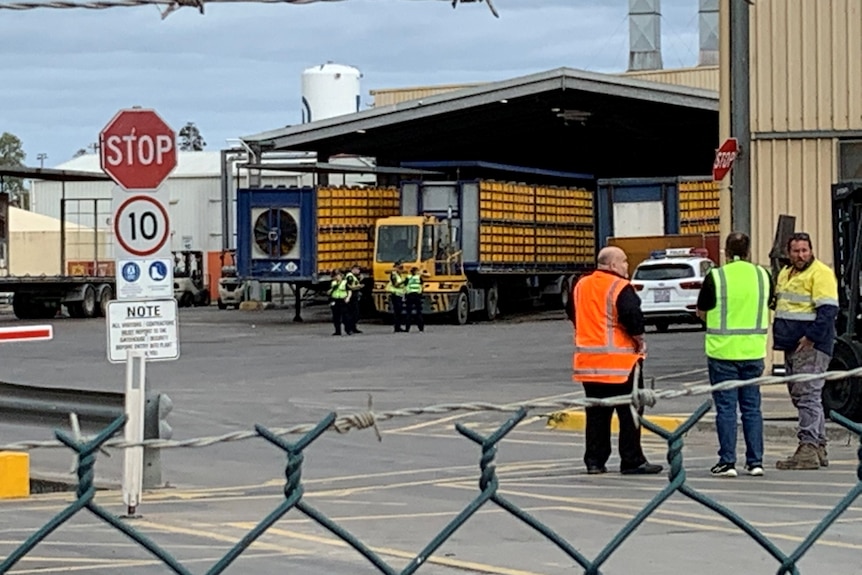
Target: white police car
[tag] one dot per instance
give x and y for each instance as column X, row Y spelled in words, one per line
column 668, row 284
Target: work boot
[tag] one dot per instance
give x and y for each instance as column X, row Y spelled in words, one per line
column 806, row 457
column 823, row 456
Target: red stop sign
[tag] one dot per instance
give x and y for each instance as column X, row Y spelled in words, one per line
column 724, row 158
column 138, row 149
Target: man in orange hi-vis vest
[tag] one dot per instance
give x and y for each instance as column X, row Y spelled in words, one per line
column 609, row 351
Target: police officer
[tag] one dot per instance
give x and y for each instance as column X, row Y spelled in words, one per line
column 609, row 348
column 396, row 290
column 354, row 286
column 414, row 299
column 734, row 299
column 338, row 298
column 806, row 305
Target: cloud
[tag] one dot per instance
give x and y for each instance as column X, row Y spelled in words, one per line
column 236, row 70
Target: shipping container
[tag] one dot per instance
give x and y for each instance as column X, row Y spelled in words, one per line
column 483, row 243
column 301, row 235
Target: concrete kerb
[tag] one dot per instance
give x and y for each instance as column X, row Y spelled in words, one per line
column 777, row 428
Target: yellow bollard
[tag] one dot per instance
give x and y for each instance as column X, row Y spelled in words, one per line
column 14, row 475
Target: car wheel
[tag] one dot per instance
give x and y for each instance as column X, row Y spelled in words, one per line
column 661, row 326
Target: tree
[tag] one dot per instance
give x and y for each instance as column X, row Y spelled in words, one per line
column 12, row 154
column 191, row 139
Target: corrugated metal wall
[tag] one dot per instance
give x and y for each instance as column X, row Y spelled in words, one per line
column 389, row 96
column 806, row 65
column 705, row 77
column 806, row 76
column 793, row 177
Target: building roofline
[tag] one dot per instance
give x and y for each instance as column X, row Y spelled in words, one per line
column 557, row 79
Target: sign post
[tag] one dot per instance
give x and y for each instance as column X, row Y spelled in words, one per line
column 138, row 151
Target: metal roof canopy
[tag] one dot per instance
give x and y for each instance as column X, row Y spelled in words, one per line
column 52, row 174
column 563, row 119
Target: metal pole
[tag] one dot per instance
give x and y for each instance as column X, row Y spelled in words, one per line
column 740, row 114
column 225, row 200
column 63, row 228
column 95, row 237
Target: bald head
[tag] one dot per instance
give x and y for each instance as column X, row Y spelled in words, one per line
column 613, row 259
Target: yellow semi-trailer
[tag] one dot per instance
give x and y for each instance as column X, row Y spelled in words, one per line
column 482, row 244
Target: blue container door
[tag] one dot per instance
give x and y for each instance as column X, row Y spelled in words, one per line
column 277, row 234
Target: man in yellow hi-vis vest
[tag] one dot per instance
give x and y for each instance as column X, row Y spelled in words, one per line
column 806, row 305
column 734, row 299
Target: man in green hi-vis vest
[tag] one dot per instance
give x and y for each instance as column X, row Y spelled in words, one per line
column 734, row 299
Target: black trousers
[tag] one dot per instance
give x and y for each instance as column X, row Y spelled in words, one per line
column 414, row 303
column 396, row 303
column 339, row 314
column 352, row 313
column 598, row 432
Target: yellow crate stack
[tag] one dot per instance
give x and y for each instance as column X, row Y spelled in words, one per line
column 345, row 224
column 698, row 207
column 535, row 224
column 565, row 225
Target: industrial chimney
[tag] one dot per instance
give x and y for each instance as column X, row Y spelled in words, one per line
column 708, row 24
column 644, row 35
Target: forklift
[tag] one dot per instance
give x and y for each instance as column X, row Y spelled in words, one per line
column 191, row 287
column 844, row 396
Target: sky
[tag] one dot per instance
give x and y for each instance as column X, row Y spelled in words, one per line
column 236, row 70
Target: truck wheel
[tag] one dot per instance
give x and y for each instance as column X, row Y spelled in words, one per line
column 187, row 299
column 844, row 396
column 221, row 304
column 461, row 313
column 88, row 302
column 492, row 297
column 106, row 294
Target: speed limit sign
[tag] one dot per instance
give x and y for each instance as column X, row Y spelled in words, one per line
column 141, row 226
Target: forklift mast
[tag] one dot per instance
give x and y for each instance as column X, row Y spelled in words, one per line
column 846, row 246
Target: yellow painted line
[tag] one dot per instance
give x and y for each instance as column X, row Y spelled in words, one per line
column 201, row 534
column 388, row 551
column 671, row 522
column 114, row 564
column 576, row 420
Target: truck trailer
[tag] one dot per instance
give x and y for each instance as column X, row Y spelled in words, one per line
column 483, row 244
column 299, row 236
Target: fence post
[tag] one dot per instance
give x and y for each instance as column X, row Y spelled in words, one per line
column 156, row 426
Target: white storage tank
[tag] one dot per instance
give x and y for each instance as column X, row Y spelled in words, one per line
column 329, row 90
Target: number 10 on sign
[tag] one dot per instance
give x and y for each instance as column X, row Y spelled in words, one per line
column 141, row 225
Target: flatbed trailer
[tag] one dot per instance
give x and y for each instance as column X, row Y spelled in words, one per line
column 40, row 297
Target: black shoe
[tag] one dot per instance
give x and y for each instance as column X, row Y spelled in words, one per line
column 357, row 331
column 337, row 333
column 725, row 470
column 596, row 470
column 643, row 469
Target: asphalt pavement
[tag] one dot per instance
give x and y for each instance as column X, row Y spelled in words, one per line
column 241, row 368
